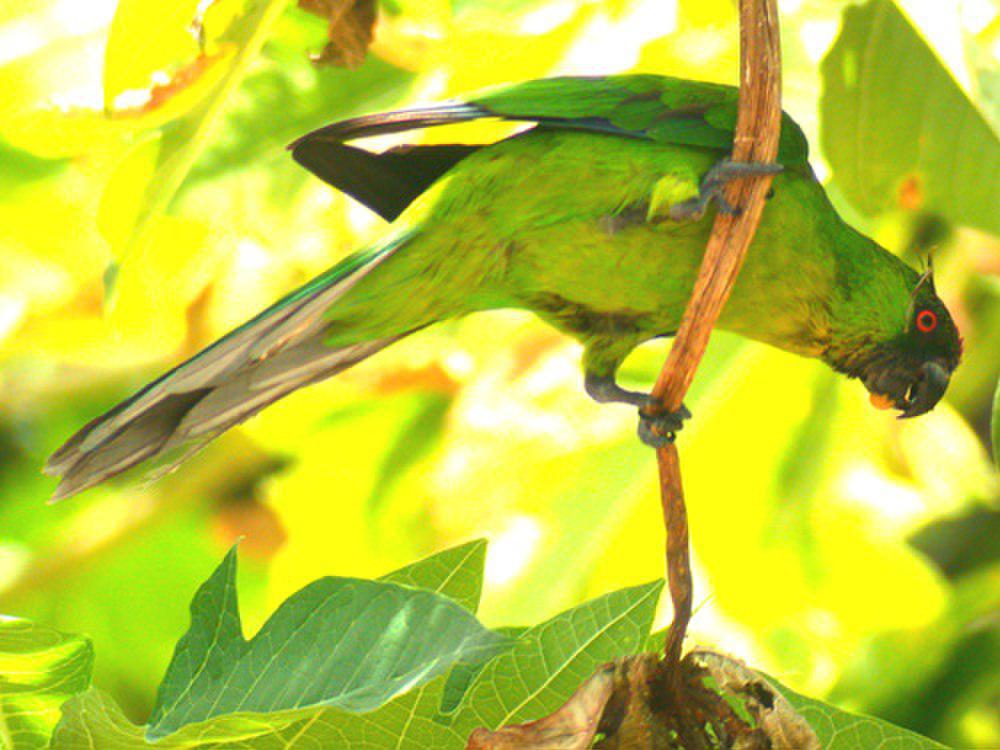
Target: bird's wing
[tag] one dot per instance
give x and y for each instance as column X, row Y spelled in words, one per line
column 658, row 108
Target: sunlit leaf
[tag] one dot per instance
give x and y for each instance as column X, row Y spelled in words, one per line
column 184, row 139
column 39, row 669
column 77, row 128
column 93, row 718
column 50, row 99
column 703, row 43
column 174, row 97
column 24, row 167
column 95, row 721
column 309, row 653
column 546, row 663
column 456, row 573
column 153, row 295
column 495, row 6
column 898, row 130
column 469, row 69
column 839, row 730
column 549, row 661
column 57, row 134
column 59, row 72
column 122, row 197
column 147, row 37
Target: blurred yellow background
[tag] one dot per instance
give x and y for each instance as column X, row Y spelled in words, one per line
column 849, row 554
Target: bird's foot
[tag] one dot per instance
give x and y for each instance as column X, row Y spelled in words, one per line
column 712, row 185
column 654, row 430
column 661, row 429
column 604, row 390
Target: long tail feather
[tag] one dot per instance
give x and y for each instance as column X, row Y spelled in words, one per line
column 279, row 351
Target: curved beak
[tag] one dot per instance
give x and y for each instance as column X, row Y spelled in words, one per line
column 927, row 391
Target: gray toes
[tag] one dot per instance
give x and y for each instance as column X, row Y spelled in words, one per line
column 661, row 429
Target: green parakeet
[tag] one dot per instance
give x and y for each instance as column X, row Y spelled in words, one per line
column 595, row 218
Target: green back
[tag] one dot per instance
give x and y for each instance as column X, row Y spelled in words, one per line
column 670, row 110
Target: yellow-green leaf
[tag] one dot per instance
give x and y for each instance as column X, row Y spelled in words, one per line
column 39, row 669
column 147, row 38
column 898, row 130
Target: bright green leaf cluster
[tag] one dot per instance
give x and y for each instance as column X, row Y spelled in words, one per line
column 325, row 675
column 39, row 669
column 356, row 663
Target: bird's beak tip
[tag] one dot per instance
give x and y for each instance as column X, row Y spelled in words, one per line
column 928, row 390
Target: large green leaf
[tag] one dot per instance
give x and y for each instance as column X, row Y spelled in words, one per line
column 39, row 669
column 549, row 661
column 108, row 729
column 456, row 573
column 93, row 720
column 146, row 37
column 897, row 128
column 311, row 652
column 840, row 730
column 547, row 664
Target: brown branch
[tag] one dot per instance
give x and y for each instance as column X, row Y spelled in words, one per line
column 758, row 128
column 660, row 683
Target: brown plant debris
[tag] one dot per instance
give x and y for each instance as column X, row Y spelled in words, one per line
column 631, row 705
column 350, row 32
column 572, row 727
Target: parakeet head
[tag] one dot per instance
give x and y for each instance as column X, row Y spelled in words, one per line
column 911, row 370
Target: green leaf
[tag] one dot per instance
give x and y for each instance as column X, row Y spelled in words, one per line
column 543, row 669
column 93, row 720
column 840, row 730
column 311, row 652
column 39, row 669
column 549, row 661
column 456, row 573
column 122, row 197
column 898, row 130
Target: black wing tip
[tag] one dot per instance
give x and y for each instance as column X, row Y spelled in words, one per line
column 397, row 121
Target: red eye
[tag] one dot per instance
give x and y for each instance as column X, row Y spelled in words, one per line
column 926, row 321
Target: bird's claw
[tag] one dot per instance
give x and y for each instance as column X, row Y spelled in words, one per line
column 657, row 430
column 712, row 185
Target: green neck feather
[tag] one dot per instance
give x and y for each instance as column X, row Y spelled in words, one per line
column 870, row 302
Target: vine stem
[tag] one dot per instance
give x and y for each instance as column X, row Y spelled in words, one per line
column 758, row 128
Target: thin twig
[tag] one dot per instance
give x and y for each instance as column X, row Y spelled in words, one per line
column 756, row 140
